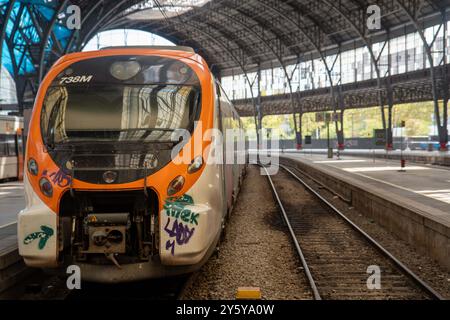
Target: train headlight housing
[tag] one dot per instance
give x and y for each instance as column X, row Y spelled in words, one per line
column 109, row 176
column 33, row 167
column 175, row 185
column 125, row 70
column 151, row 162
column 195, row 165
column 46, row 187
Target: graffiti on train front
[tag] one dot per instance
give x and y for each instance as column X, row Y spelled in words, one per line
column 179, row 234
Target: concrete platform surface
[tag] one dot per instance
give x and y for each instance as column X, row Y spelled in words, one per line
column 368, row 152
column 12, row 200
column 417, row 156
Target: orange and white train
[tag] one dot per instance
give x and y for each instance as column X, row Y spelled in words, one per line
column 106, row 187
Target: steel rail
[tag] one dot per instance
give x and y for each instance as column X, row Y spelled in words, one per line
column 308, row 274
column 422, row 284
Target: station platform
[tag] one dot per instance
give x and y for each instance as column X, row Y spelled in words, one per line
column 12, row 200
column 414, row 205
column 418, row 156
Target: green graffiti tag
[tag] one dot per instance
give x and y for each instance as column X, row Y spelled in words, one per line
column 176, row 207
column 43, row 237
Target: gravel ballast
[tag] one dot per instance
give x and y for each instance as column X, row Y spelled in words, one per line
column 256, row 251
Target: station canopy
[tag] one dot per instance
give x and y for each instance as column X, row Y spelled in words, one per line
column 230, row 34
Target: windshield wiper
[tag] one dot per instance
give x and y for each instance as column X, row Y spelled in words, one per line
column 50, row 139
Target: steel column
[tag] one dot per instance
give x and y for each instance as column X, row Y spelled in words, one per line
column 44, row 40
column 442, row 128
column 258, row 109
column 3, row 28
column 374, row 61
column 316, row 46
column 278, row 57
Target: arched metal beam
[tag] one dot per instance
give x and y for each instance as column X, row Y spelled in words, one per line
column 278, row 57
column 248, row 50
column 316, row 47
column 374, row 63
column 3, row 28
column 10, row 44
column 94, row 29
column 257, row 111
column 44, row 40
column 83, row 20
column 175, row 39
column 442, row 128
column 227, row 37
column 299, row 8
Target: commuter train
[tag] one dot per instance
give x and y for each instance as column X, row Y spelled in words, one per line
column 126, row 175
column 11, row 148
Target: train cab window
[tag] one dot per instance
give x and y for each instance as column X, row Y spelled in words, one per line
column 158, row 100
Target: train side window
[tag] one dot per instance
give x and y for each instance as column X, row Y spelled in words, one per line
column 11, row 146
column 3, row 150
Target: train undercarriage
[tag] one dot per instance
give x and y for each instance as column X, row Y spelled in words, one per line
column 100, row 228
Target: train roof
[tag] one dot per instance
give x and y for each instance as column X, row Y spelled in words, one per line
column 175, row 48
column 178, row 51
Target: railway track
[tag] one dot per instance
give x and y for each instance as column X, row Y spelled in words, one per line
column 53, row 287
column 339, row 259
column 157, row 289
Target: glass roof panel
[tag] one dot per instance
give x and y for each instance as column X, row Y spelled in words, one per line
column 162, row 9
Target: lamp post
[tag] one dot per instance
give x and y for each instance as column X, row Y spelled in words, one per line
column 402, row 161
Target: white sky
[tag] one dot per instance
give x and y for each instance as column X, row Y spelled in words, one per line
column 125, row 37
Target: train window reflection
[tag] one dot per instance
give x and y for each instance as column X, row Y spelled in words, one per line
column 142, row 113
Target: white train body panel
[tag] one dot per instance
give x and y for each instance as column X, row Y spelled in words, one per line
column 8, row 167
column 37, row 231
column 188, row 230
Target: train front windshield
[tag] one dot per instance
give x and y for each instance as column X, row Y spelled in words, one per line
column 135, row 98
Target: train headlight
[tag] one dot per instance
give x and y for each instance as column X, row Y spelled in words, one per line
column 33, row 167
column 195, row 165
column 46, row 187
column 109, row 176
column 151, row 161
column 175, row 185
column 125, row 70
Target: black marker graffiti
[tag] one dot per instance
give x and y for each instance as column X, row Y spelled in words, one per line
column 59, row 177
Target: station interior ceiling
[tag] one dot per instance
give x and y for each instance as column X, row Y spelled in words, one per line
column 244, row 37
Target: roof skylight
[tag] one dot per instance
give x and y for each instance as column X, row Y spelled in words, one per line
column 162, row 9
